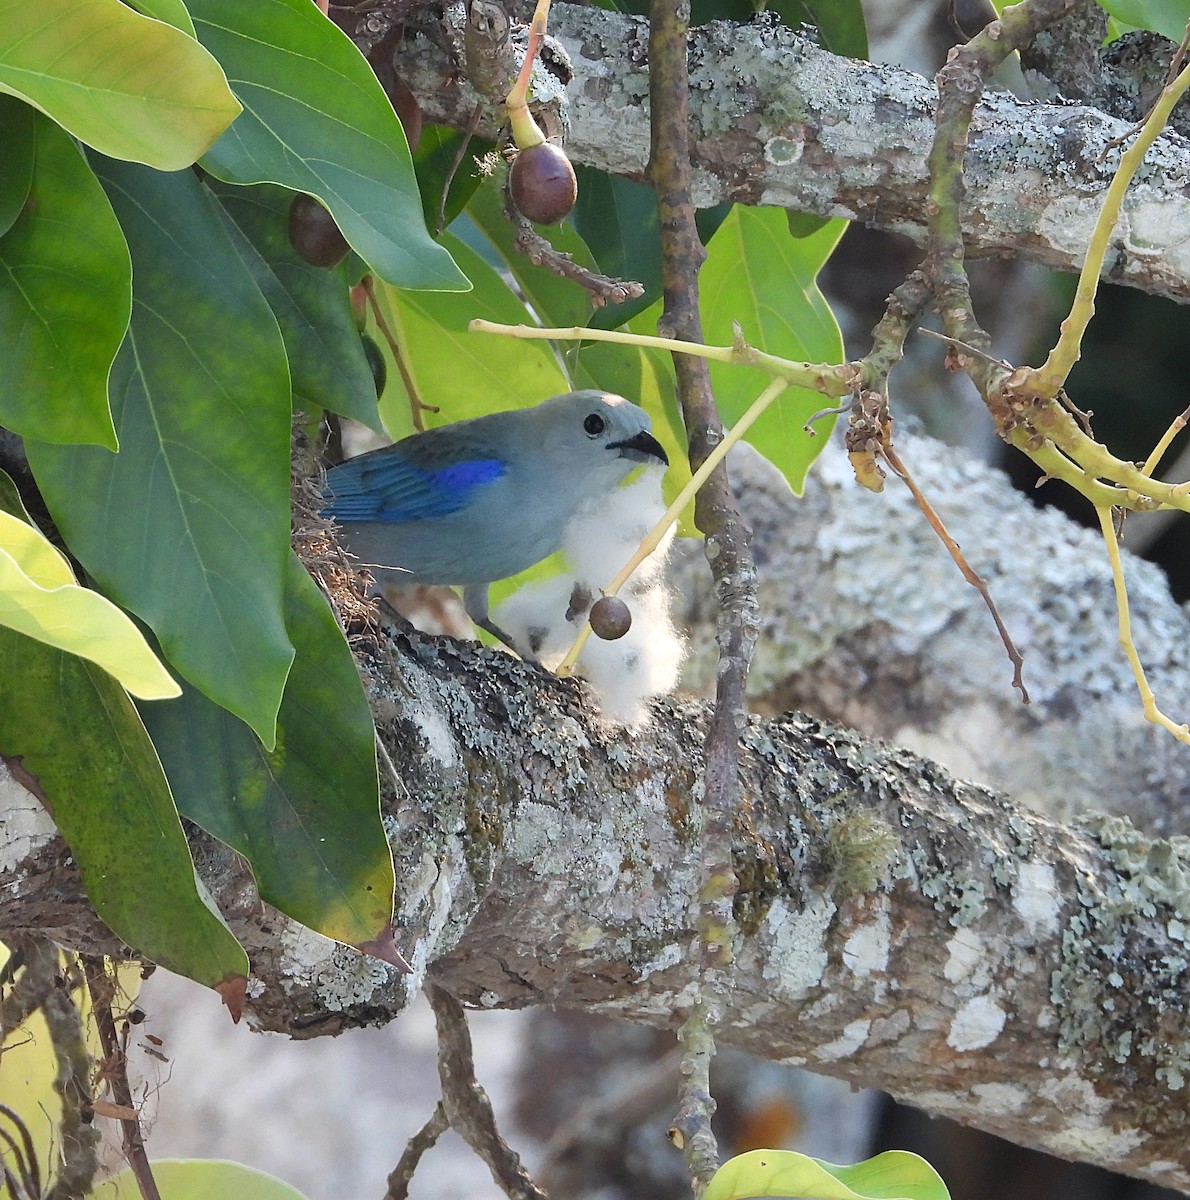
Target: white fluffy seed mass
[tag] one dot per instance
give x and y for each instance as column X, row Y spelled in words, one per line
column 547, row 616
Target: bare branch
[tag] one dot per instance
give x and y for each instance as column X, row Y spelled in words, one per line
column 466, row 1104
column 777, row 120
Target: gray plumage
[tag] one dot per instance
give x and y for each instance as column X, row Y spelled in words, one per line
column 480, row 500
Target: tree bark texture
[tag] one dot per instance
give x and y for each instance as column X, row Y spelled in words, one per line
column 899, row 929
column 777, row 120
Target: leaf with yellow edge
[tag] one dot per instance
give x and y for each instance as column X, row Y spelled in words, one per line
column 893, row 1175
column 39, row 598
column 199, row 1179
column 132, row 87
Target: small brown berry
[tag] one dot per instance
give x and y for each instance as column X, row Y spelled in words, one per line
column 542, row 183
column 610, row 618
column 314, row 234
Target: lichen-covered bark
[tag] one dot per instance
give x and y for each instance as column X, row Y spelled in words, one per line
column 867, row 621
column 897, row 928
column 777, row 120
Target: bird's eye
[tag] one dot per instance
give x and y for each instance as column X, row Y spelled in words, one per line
column 594, row 425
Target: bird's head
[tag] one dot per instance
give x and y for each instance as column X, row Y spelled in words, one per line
column 597, row 437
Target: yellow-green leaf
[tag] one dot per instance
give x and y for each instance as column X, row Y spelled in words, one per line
column 893, row 1175
column 132, row 87
column 33, row 552
column 199, row 1179
column 75, row 619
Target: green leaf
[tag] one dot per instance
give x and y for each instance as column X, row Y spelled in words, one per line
column 18, row 122
column 317, row 120
column 1167, row 17
column 70, row 617
column 199, row 1179
column 129, row 86
column 172, row 12
column 327, row 366
column 760, row 277
column 65, row 294
column 617, row 219
column 433, row 160
column 840, row 23
column 893, row 1175
column 83, row 749
column 307, row 815
column 188, row 526
column 555, row 300
column 465, row 374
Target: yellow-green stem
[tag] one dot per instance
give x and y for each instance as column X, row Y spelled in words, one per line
column 1052, row 374
column 652, row 539
column 831, row 379
column 1147, row 699
column 525, row 132
column 1175, row 427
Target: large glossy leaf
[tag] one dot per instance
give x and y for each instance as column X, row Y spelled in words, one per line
column 760, row 277
column 465, row 374
column 893, row 1175
column 131, row 87
column 65, row 292
column 199, row 1179
column 317, row 121
column 81, row 744
column 79, row 620
column 18, row 122
column 307, row 815
column 40, row 598
column 327, row 366
column 617, row 219
column 1167, row 17
column 188, row 526
column 556, row 301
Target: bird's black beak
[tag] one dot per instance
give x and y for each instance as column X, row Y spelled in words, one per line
column 641, row 447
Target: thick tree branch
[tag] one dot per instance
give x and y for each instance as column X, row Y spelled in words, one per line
column 901, row 930
column 777, row 120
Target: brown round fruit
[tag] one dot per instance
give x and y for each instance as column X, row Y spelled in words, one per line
column 542, row 183
column 314, row 234
column 610, row 618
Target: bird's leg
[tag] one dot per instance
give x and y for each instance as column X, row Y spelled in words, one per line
column 475, row 604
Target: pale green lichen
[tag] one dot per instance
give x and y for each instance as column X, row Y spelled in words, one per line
column 1112, row 990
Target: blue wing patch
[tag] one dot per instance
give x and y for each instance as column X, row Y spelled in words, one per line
column 384, row 486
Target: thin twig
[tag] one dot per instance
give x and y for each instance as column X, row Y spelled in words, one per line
column 976, row 581
column 603, row 289
column 466, row 1104
column 416, row 405
column 102, row 988
column 419, row 1143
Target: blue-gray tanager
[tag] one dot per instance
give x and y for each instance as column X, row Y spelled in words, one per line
column 480, row 500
